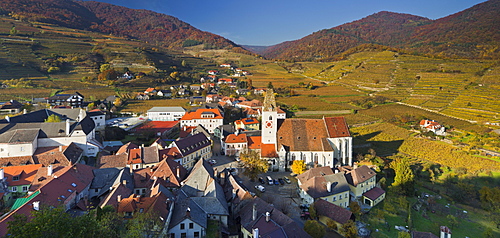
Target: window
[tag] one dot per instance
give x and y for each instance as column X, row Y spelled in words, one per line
column 326, row 199
column 15, row 178
column 183, row 226
column 334, row 198
column 191, row 225
column 14, row 189
column 183, row 235
column 340, row 197
column 196, row 234
column 25, row 188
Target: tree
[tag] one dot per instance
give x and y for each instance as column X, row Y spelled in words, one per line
column 312, row 212
column 403, row 234
column 270, row 85
column 104, row 67
column 53, row 118
column 118, row 102
column 404, row 180
column 253, row 164
column 298, row 167
column 349, row 229
column 109, row 74
column 314, row 229
column 331, row 224
column 452, row 220
column 13, row 31
column 355, row 208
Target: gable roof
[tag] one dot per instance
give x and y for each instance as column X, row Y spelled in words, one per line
column 303, row 135
column 112, row 197
column 374, row 193
column 359, row 175
column 112, row 161
column 232, row 138
column 169, row 172
column 199, row 112
column 317, row 187
column 337, row 127
column 25, row 173
column 192, row 143
column 314, row 172
column 332, row 211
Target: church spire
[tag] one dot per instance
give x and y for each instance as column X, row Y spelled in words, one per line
column 269, row 101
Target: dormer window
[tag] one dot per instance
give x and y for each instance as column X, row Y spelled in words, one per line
column 15, row 178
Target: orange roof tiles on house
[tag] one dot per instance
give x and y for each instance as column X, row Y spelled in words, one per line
column 232, row 138
column 268, row 151
column 198, row 114
column 254, row 142
column 25, row 173
column 150, row 90
column 142, row 177
column 359, row 175
column 125, row 148
column 157, row 203
column 157, row 126
column 169, row 173
column 112, row 161
column 337, row 127
column 17, row 161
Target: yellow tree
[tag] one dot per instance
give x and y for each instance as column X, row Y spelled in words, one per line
column 298, row 167
column 53, row 118
column 253, row 164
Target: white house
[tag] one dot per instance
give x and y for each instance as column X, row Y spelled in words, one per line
column 208, row 118
column 165, row 113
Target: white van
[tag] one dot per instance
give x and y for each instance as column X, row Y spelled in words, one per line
column 270, row 180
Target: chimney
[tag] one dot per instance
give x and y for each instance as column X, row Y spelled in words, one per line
column 25, row 111
column 60, row 148
column 124, row 182
column 2, row 174
column 119, row 198
column 268, row 216
column 254, row 212
column 255, row 233
column 7, row 118
column 68, row 127
column 178, row 170
column 329, row 186
column 49, row 170
column 36, row 205
column 188, row 212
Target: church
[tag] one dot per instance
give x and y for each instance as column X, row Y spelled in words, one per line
column 318, row 142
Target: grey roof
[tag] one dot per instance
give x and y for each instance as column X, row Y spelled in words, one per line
column 110, row 177
column 19, row 136
column 199, row 179
column 67, row 113
column 316, row 187
column 192, row 143
column 211, row 205
column 179, row 214
column 167, row 109
column 150, row 155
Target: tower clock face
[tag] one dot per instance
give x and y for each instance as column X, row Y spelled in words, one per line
column 269, row 124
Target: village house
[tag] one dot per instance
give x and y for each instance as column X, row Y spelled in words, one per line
column 323, row 184
column 434, row 126
column 327, row 212
column 192, row 149
column 165, row 113
column 23, row 134
column 208, row 118
column 72, row 100
column 99, row 119
column 18, row 179
column 11, row 107
column 150, row 91
column 164, row 93
column 234, row 144
column 247, row 124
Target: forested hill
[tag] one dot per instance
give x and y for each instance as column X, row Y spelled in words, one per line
column 472, row 33
column 121, row 21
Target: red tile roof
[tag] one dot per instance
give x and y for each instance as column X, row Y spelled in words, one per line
column 198, row 114
column 332, row 211
column 268, row 151
column 254, row 142
column 303, row 135
column 337, row 127
column 169, row 173
column 374, row 193
column 26, row 174
column 112, row 161
column 359, row 175
column 232, row 138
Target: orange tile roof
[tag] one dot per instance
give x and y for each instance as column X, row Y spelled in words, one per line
column 303, row 135
column 169, row 173
column 337, row 127
column 232, row 138
column 268, row 151
column 16, row 161
column 26, row 174
column 254, row 142
column 112, row 161
column 197, row 114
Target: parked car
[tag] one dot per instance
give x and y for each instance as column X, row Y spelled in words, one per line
column 287, row 180
column 261, row 180
column 212, row 161
column 260, row 188
column 282, row 182
column 276, row 182
column 270, row 180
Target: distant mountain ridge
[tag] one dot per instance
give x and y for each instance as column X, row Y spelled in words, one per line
column 472, row 33
column 121, row 21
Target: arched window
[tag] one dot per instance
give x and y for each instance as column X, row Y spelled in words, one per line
column 316, row 158
column 270, row 118
column 293, row 157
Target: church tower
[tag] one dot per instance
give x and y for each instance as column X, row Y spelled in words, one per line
column 269, row 118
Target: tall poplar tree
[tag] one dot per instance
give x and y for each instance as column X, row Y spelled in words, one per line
column 404, row 181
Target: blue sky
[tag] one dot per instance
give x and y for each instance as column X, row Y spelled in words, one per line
column 269, row 22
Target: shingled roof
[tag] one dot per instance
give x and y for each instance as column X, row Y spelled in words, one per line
column 332, row 211
column 359, row 175
column 317, row 187
column 303, row 135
